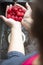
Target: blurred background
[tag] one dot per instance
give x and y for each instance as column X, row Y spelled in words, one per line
column 15, row 0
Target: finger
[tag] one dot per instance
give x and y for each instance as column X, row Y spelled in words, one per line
column 4, row 18
column 28, row 6
column 21, row 6
column 6, row 10
column 10, row 6
column 15, row 3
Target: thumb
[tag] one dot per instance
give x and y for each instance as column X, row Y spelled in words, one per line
column 4, row 18
column 28, row 6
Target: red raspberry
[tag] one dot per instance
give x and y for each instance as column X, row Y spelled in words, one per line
column 20, row 19
column 8, row 16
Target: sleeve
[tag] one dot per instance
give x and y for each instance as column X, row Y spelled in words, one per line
column 16, row 58
column 15, row 54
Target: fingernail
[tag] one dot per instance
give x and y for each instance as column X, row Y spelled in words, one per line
column 10, row 4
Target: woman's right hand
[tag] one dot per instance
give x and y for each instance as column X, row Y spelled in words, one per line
column 10, row 22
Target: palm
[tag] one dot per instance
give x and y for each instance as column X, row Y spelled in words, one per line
column 10, row 22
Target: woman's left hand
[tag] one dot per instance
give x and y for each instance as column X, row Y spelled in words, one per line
column 27, row 20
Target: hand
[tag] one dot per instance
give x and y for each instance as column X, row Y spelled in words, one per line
column 10, row 22
column 27, row 20
column 28, row 13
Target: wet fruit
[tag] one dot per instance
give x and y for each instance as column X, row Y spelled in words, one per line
column 16, row 13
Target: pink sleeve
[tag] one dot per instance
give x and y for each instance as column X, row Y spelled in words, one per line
column 30, row 60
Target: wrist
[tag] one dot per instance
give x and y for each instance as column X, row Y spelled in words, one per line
column 16, row 24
